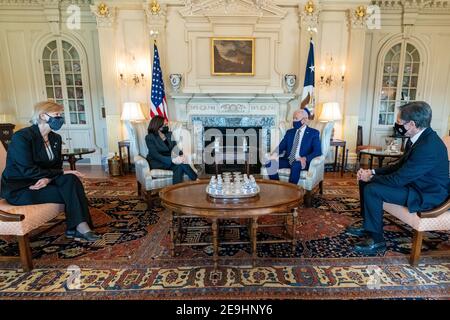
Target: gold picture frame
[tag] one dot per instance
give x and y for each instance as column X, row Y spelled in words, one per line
column 233, row 56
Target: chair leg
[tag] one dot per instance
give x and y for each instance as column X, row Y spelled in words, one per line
column 139, row 188
column 321, row 187
column 416, row 247
column 148, row 198
column 25, row 253
column 307, row 199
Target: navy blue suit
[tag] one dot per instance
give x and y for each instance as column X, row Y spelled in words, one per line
column 419, row 181
column 309, row 148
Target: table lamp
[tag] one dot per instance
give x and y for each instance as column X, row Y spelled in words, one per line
column 132, row 112
column 330, row 112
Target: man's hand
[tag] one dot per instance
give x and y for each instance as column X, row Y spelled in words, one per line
column 302, row 161
column 75, row 172
column 41, row 183
column 364, row 175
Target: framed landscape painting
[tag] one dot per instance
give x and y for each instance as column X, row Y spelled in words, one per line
column 233, row 56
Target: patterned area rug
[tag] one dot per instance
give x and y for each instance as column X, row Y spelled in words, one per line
column 133, row 261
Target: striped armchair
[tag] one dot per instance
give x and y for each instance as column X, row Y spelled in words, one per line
column 150, row 181
column 314, row 176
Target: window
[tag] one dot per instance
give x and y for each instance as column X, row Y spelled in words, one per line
column 64, row 81
column 399, row 82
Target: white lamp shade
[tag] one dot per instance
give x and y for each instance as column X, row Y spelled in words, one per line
column 330, row 112
column 132, row 112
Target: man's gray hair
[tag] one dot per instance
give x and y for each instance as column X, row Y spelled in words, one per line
column 418, row 111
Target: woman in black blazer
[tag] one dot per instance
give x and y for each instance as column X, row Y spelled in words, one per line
column 163, row 152
column 34, row 172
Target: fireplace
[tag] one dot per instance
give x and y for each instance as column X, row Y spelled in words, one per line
column 266, row 112
column 233, row 149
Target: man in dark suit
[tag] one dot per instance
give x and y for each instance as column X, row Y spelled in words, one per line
column 298, row 147
column 419, row 180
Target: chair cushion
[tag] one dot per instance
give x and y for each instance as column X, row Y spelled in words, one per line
column 160, row 173
column 35, row 216
column 287, row 172
column 153, row 184
column 439, row 223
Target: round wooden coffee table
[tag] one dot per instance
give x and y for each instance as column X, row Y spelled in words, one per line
column 189, row 199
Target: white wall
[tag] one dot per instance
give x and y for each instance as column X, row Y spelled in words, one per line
column 282, row 43
column 23, row 28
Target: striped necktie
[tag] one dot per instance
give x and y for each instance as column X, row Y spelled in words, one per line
column 291, row 157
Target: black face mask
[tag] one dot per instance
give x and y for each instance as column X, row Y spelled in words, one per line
column 400, row 129
column 164, row 129
column 55, row 123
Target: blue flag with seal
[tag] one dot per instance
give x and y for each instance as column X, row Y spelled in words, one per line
column 308, row 85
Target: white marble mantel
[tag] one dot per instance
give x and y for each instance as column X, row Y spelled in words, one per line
column 198, row 110
column 186, row 105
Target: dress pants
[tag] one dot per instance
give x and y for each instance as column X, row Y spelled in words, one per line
column 66, row 189
column 372, row 196
column 273, row 165
column 179, row 170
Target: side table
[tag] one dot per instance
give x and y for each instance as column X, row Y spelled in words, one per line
column 339, row 143
column 125, row 167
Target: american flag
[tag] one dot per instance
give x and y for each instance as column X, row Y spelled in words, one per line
column 158, row 105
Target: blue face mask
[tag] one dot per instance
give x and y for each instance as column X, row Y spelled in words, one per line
column 55, row 123
column 297, row 124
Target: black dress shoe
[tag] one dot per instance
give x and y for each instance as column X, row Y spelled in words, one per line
column 78, row 236
column 370, row 247
column 70, row 233
column 356, row 231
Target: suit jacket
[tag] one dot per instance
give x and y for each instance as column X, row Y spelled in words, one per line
column 423, row 169
column 27, row 160
column 159, row 154
column 310, row 146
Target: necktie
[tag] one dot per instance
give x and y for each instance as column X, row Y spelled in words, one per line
column 408, row 145
column 291, row 157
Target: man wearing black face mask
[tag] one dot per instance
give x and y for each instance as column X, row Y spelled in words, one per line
column 298, row 147
column 419, row 181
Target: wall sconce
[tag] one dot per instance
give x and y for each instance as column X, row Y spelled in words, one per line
column 328, row 75
column 135, row 75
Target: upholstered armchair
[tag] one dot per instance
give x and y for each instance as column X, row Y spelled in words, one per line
column 21, row 220
column 437, row 219
column 150, row 181
column 314, row 176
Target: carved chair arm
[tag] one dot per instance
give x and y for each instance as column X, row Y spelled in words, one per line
column 436, row 212
column 10, row 217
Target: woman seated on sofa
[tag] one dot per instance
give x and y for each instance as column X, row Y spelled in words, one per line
column 34, row 172
column 163, row 152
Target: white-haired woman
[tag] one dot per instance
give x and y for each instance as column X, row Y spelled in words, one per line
column 34, row 173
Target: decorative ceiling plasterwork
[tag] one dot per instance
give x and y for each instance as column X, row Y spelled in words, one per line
column 425, row 5
column 104, row 14
column 242, row 8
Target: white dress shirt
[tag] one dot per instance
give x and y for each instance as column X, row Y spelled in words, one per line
column 416, row 136
column 302, row 132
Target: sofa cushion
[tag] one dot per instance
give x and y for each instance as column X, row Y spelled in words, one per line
column 441, row 222
column 35, row 216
